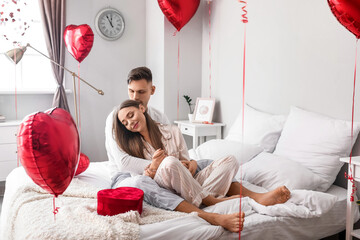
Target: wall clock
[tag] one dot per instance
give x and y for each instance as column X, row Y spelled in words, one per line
column 109, row 24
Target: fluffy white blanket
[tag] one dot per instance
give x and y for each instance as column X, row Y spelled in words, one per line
column 31, row 216
column 302, row 204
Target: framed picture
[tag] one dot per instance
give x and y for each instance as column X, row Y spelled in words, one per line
column 204, row 110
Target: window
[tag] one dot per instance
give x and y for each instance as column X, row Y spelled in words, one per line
column 33, row 72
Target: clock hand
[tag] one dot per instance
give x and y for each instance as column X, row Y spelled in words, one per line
column 109, row 21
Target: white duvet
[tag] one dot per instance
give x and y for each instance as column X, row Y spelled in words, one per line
column 302, row 204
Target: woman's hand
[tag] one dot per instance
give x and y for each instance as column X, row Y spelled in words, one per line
column 157, row 158
column 149, row 172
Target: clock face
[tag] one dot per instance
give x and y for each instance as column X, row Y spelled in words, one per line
column 109, row 24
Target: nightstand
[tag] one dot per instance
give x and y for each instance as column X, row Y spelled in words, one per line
column 350, row 206
column 201, row 130
column 8, row 147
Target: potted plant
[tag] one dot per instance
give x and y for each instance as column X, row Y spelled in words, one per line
column 188, row 101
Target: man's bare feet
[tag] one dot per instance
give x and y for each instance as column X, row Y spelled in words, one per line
column 276, row 196
column 232, row 222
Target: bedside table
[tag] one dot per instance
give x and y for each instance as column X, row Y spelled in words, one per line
column 201, row 130
column 350, row 206
column 8, row 147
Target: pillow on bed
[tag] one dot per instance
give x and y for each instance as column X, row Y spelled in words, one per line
column 271, row 171
column 218, row 148
column 260, row 128
column 316, row 142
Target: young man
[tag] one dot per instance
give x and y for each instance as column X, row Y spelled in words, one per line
column 140, row 88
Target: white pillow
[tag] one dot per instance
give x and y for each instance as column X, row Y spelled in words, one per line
column 260, row 128
column 219, row 148
column 316, row 142
column 271, row 171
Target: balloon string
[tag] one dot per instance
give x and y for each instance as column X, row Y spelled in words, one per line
column 79, row 127
column 56, row 209
column 209, row 3
column 244, row 20
column 16, row 115
column 16, row 109
column 178, row 79
column 244, row 15
column 350, row 175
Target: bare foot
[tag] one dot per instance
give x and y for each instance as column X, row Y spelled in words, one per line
column 276, row 196
column 232, row 222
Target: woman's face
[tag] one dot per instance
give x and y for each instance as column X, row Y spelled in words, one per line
column 133, row 118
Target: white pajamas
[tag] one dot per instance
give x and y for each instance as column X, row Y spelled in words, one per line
column 214, row 180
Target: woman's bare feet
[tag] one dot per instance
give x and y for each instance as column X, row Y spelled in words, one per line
column 276, row 196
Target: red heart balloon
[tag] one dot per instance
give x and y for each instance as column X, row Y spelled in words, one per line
column 79, row 41
column 84, row 163
column 49, row 147
column 179, row 12
column 347, row 12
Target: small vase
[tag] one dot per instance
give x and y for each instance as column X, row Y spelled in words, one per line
column 190, row 117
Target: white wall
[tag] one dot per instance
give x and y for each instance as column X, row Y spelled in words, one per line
column 162, row 58
column 106, row 67
column 155, row 51
column 297, row 54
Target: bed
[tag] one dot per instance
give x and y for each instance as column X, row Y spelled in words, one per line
column 316, row 209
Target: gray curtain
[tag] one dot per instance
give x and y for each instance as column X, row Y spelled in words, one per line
column 53, row 18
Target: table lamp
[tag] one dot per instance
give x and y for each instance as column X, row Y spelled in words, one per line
column 16, row 54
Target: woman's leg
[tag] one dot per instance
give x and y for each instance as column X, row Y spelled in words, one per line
column 278, row 195
column 172, row 175
column 217, row 177
column 233, row 222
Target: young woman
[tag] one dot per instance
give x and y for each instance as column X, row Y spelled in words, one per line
column 138, row 135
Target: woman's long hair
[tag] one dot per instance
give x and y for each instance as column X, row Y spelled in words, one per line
column 131, row 142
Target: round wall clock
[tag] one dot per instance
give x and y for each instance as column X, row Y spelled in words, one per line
column 109, row 24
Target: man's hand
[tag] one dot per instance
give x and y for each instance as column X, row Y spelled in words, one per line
column 191, row 165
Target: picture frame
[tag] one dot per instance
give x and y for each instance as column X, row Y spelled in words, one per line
column 204, row 110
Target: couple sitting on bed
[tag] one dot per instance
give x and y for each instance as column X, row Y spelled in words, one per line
column 143, row 142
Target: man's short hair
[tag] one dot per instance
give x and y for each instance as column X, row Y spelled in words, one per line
column 140, row 73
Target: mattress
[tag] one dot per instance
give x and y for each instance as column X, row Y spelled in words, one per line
column 256, row 226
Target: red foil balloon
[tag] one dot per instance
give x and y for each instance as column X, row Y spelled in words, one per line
column 49, row 147
column 347, row 12
column 79, row 41
column 84, row 163
column 179, row 12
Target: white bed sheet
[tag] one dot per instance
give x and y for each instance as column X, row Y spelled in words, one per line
column 257, row 226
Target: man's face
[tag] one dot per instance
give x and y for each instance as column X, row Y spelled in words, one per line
column 140, row 91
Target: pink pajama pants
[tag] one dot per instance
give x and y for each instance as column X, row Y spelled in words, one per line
column 214, row 180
